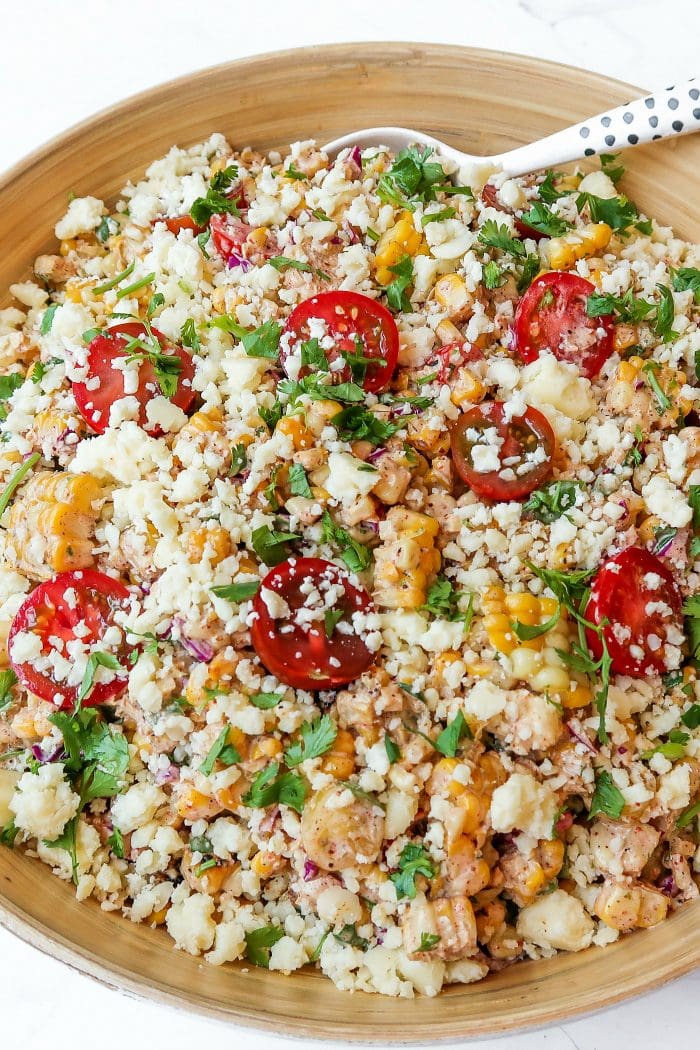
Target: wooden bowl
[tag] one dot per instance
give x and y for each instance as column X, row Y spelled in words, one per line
column 484, row 102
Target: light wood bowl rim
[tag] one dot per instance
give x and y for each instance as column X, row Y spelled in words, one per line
column 90, row 963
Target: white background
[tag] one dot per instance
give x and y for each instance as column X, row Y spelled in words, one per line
column 64, row 59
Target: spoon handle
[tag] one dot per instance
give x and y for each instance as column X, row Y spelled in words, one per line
column 669, row 112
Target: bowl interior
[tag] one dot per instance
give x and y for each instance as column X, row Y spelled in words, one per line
column 484, row 102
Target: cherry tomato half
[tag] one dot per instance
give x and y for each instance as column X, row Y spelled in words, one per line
column 228, row 234
column 94, row 404
column 357, row 324
column 637, row 594
column 293, row 637
column 552, row 316
column 489, row 196
column 53, row 611
column 181, row 222
column 523, row 446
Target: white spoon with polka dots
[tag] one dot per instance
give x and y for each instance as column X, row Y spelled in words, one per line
column 665, row 114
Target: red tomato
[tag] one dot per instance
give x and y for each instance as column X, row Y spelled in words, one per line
column 228, row 234
column 181, row 222
column 53, row 610
column 295, row 646
column 637, row 594
column 452, row 356
column 349, row 316
column 552, row 316
column 527, row 441
column 94, row 405
column 489, row 196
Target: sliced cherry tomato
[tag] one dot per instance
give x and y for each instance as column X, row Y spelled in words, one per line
column 552, row 316
column 452, row 356
column 298, row 636
column 523, row 446
column 228, row 234
column 489, row 196
column 85, row 599
column 181, row 222
column 358, row 325
column 95, row 404
column 637, row 594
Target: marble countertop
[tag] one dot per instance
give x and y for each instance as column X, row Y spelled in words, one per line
column 62, row 62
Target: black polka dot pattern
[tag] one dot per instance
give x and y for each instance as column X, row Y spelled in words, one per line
column 673, row 111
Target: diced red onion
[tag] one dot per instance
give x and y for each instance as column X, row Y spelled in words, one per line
column 168, row 775
column 668, row 886
column 581, row 737
column 310, row 870
column 377, row 454
column 41, row 757
column 371, row 525
column 234, row 260
column 198, row 648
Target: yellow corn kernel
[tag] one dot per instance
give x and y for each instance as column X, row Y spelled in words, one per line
column 451, row 293
column 50, row 425
column 467, row 388
column 294, row 427
column 51, row 522
column 406, row 559
column 480, row 668
column 258, row 237
column 564, row 251
column 266, row 747
column 647, row 529
column 535, row 880
column 206, row 421
column 401, row 239
column 193, row 805
column 670, row 380
column 215, row 541
column 340, row 760
column 447, row 332
column 206, row 678
column 266, row 863
column 551, row 857
column 157, row 918
column 445, row 660
column 624, row 336
column 579, row 696
column 212, row 880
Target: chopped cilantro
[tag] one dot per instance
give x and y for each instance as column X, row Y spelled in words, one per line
column 270, row 545
column 316, row 738
column 237, row 592
column 414, row 861
column 217, row 200
column 356, row 556
column 220, row 751
column 607, row 797
column 551, row 501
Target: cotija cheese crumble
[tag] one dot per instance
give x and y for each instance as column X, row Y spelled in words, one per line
column 350, row 574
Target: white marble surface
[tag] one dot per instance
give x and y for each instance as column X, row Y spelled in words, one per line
column 61, row 61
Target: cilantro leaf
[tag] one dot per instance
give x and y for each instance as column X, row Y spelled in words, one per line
column 443, row 601
column 266, row 701
column 391, row 748
column 356, row 423
column 259, row 942
column 270, row 545
column 493, row 275
column 607, row 797
column 414, row 861
column 216, row 201
column 264, row 341
column 627, row 307
column 618, row 212
column 497, row 235
column 16, row 480
column 237, row 592
column 412, row 177
column 281, row 263
column 665, row 314
column 239, row 460
column 67, row 840
column 691, row 611
column 189, row 336
column 47, row 319
column 685, row 279
column 396, row 294
column 220, row 751
column 448, row 741
column 356, row 556
column 331, row 619
column 269, row 787
column 8, row 679
column 551, row 501
column 95, row 660
column 526, row 632
column 116, row 843
column 298, row 481
column 541, row 218
column 428, row 941
column 547, row 190
column 317, row 737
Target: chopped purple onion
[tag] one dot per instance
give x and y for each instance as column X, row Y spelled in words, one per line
column 376, row 454
column 668, row 886
column 310, row 870
column 581, row 737
column 235, row 260
column 198, row 648
column 168, row 775
column 39, row 755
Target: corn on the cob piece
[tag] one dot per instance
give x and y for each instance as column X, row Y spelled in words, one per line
column 643, row 390
column 563, row 252
column 406, row 560
column 449, row 919
column 533, row 660
column 51, row 523
column 401, row 239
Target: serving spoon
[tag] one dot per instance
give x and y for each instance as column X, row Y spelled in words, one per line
column 665, row 114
